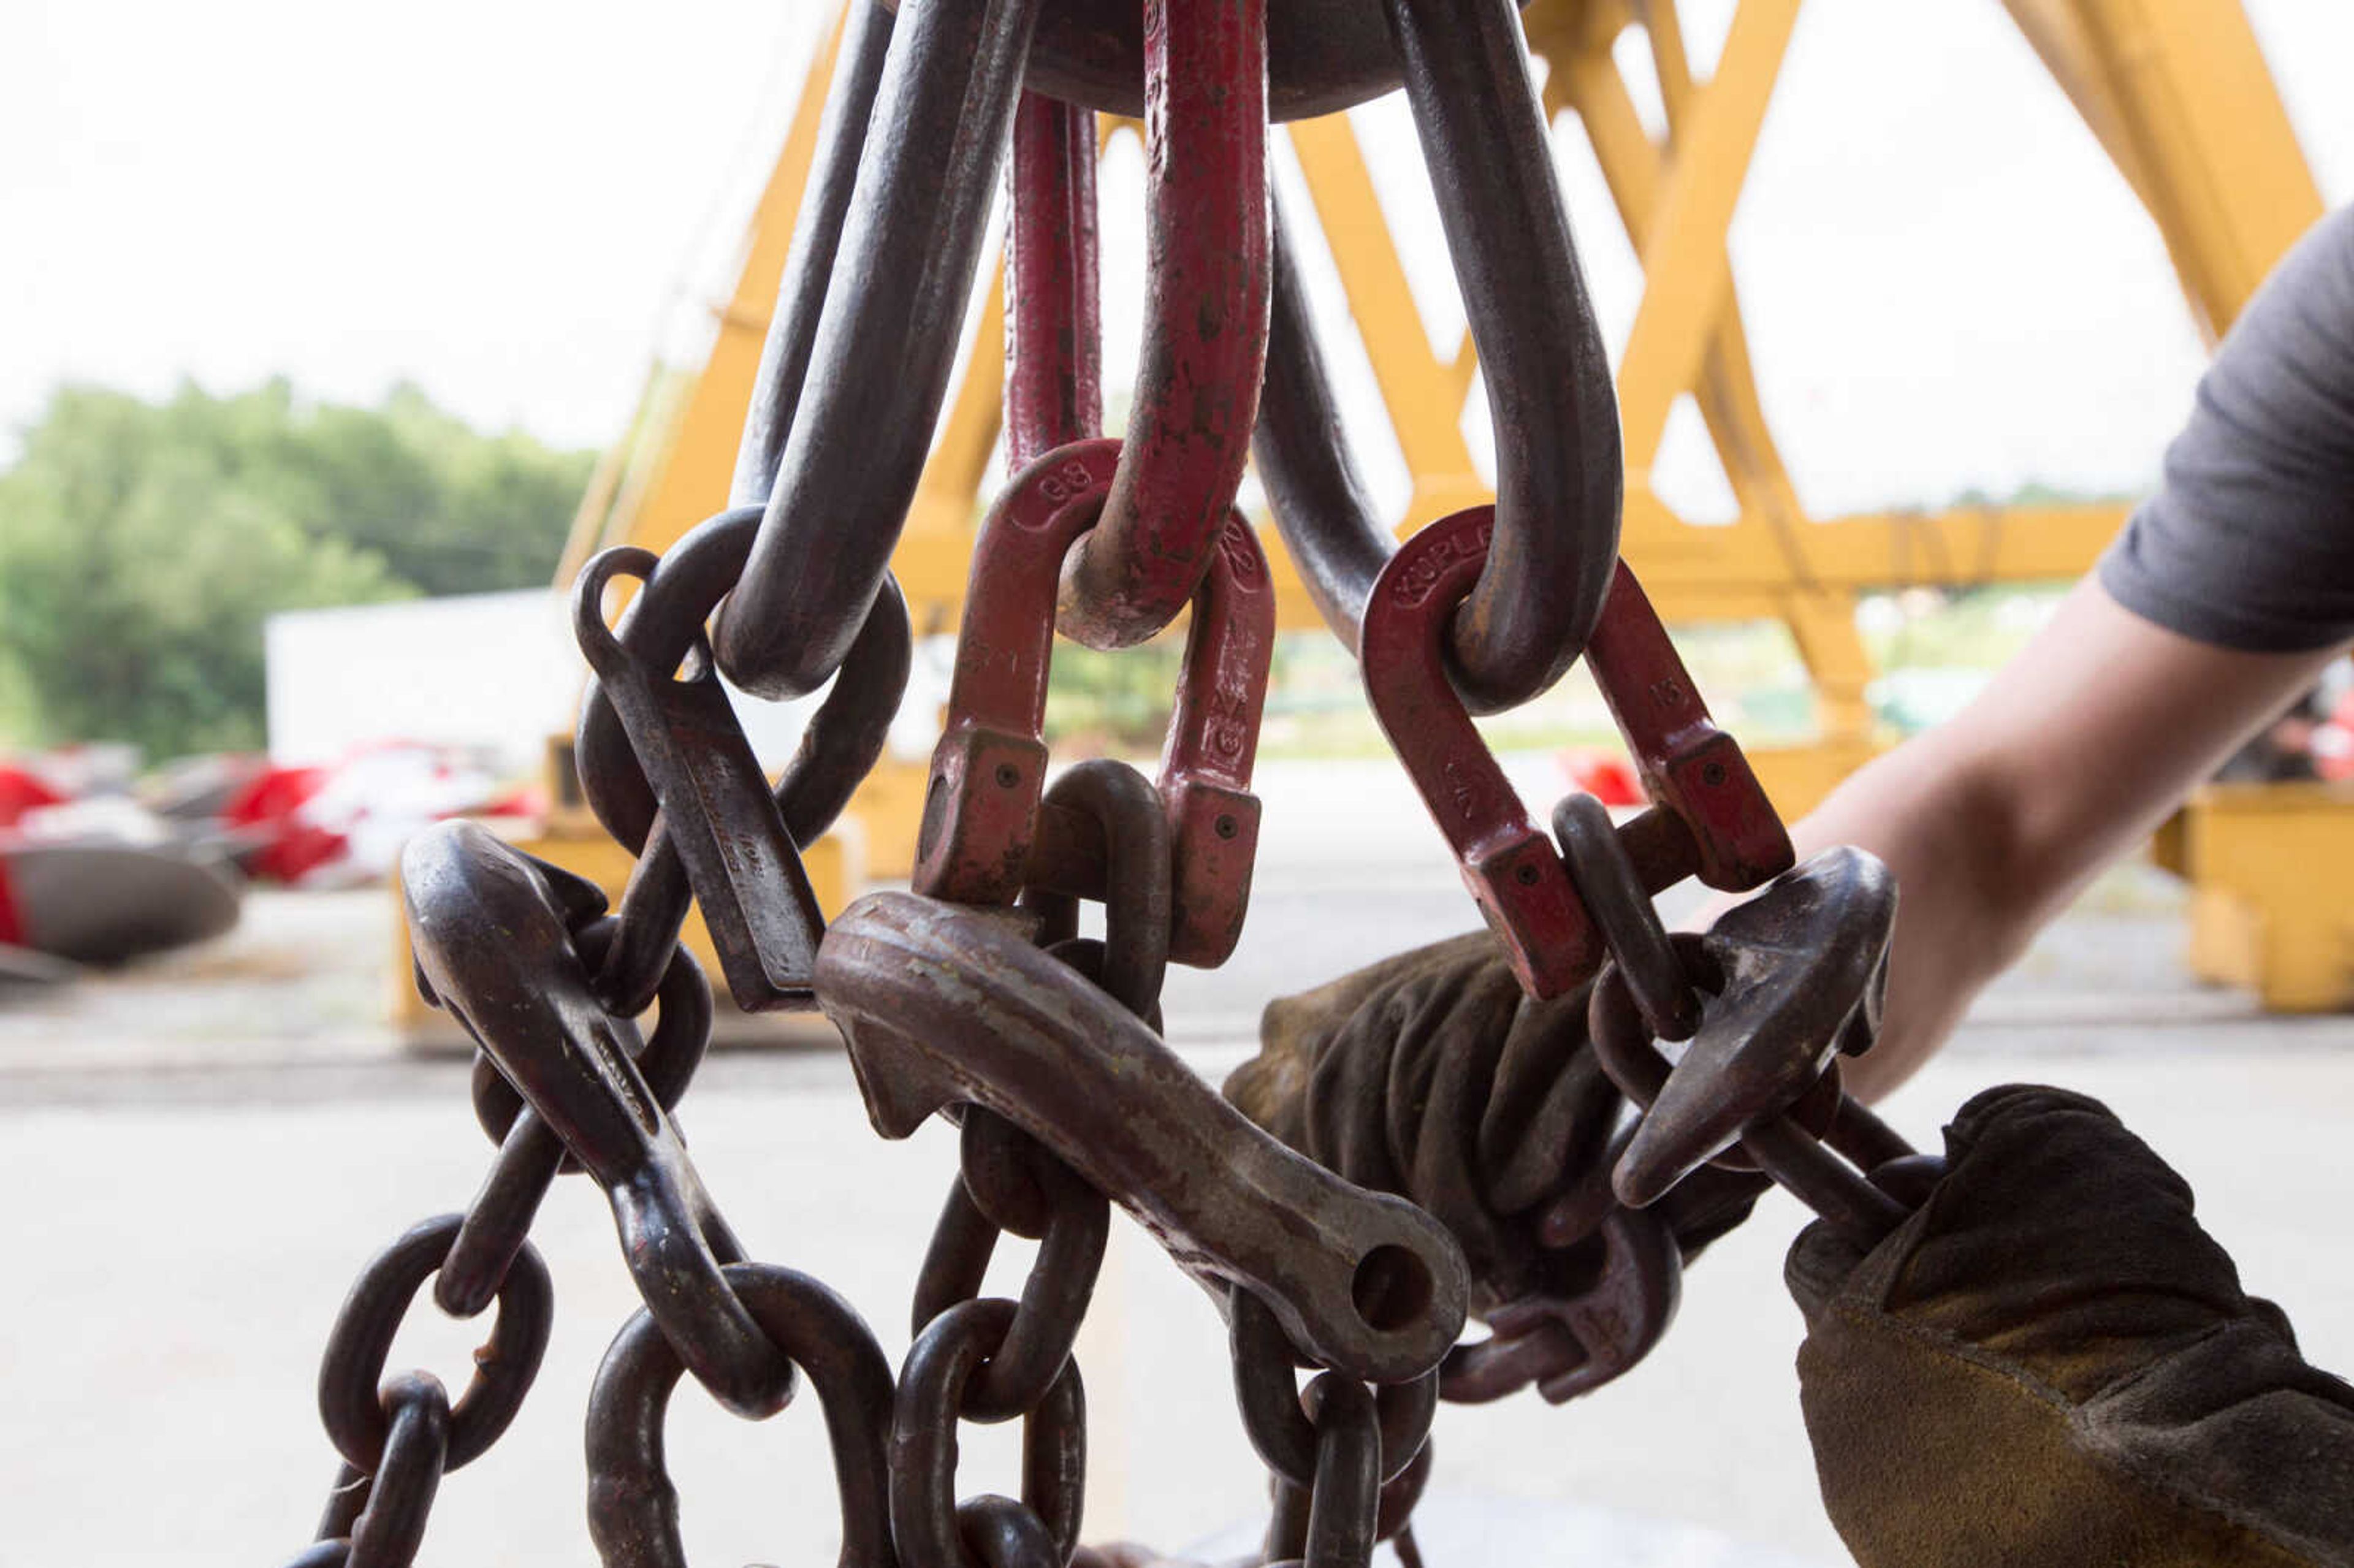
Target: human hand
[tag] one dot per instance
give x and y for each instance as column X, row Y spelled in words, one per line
column 2052, row 1362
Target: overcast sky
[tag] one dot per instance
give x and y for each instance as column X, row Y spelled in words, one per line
column 513, row 203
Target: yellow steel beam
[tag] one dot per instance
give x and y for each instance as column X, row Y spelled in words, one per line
column 1686, row 272
column 1423, row 393
column 1676, row 194
column 2180, row 97
column 691, row 455
column 1963, row 547
column 1640, row 173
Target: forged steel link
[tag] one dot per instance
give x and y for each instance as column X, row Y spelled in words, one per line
column 632, row 1506
column 398, row 1441
column 996, row 1359
column 1556, row 1186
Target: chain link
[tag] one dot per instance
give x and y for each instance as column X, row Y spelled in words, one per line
column 934, row 1395
column 633, row 1506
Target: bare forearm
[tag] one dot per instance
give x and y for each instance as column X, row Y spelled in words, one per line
column 1994, row 820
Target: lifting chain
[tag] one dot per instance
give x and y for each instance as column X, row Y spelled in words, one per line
column 973, row 996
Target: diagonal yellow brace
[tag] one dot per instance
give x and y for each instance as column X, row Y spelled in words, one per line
column 1422, row 394
column 1686, row 271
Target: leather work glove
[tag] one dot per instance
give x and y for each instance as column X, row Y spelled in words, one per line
column 1430, row 1076
column 2052, row 1364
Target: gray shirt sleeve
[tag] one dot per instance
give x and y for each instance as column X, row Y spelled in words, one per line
column 2249, row 543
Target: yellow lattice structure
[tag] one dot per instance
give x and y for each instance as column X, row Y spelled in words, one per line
column 2176, row 91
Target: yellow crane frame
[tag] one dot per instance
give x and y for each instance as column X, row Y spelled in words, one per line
column 2176, row 91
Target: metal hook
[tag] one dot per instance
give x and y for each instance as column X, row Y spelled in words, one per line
column 496, row 952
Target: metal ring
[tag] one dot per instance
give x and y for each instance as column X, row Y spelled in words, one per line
column 632, row 1506
column 809, row 265
column 1205, row 324
column 1054, row 336
column 1005, row 1174
column 1614, row 896
column 1268, row 1398
column 1021, row 1373
column 346, row 1500
column 1304, row 460
column 1137, row 876
column 371, row 1315
column 1400, row 1493
column 1559, row 479
column 1008, row 1172
column 1823, row 1181
column 420, row 1425
column 1333, row 1523
column 932, row 1383
column 1002, row 1533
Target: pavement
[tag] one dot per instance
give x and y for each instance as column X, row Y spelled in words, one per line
column 213, row 1144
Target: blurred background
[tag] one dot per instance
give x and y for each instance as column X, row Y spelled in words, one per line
column 336, row 340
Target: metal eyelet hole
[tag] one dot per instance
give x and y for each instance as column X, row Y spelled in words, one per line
column 1392, row 1288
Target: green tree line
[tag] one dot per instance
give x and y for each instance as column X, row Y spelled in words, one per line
column 143, row 544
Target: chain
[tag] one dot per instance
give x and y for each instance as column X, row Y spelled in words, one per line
column 991, row 1359
column 973, row 995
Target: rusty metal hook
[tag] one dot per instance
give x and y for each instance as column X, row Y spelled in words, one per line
column 1789, row 975
column 717, row 810
column 496, row 951
column 663, row 626
column 1574, row 1343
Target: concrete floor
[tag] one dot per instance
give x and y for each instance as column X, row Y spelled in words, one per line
column 210, row 1149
